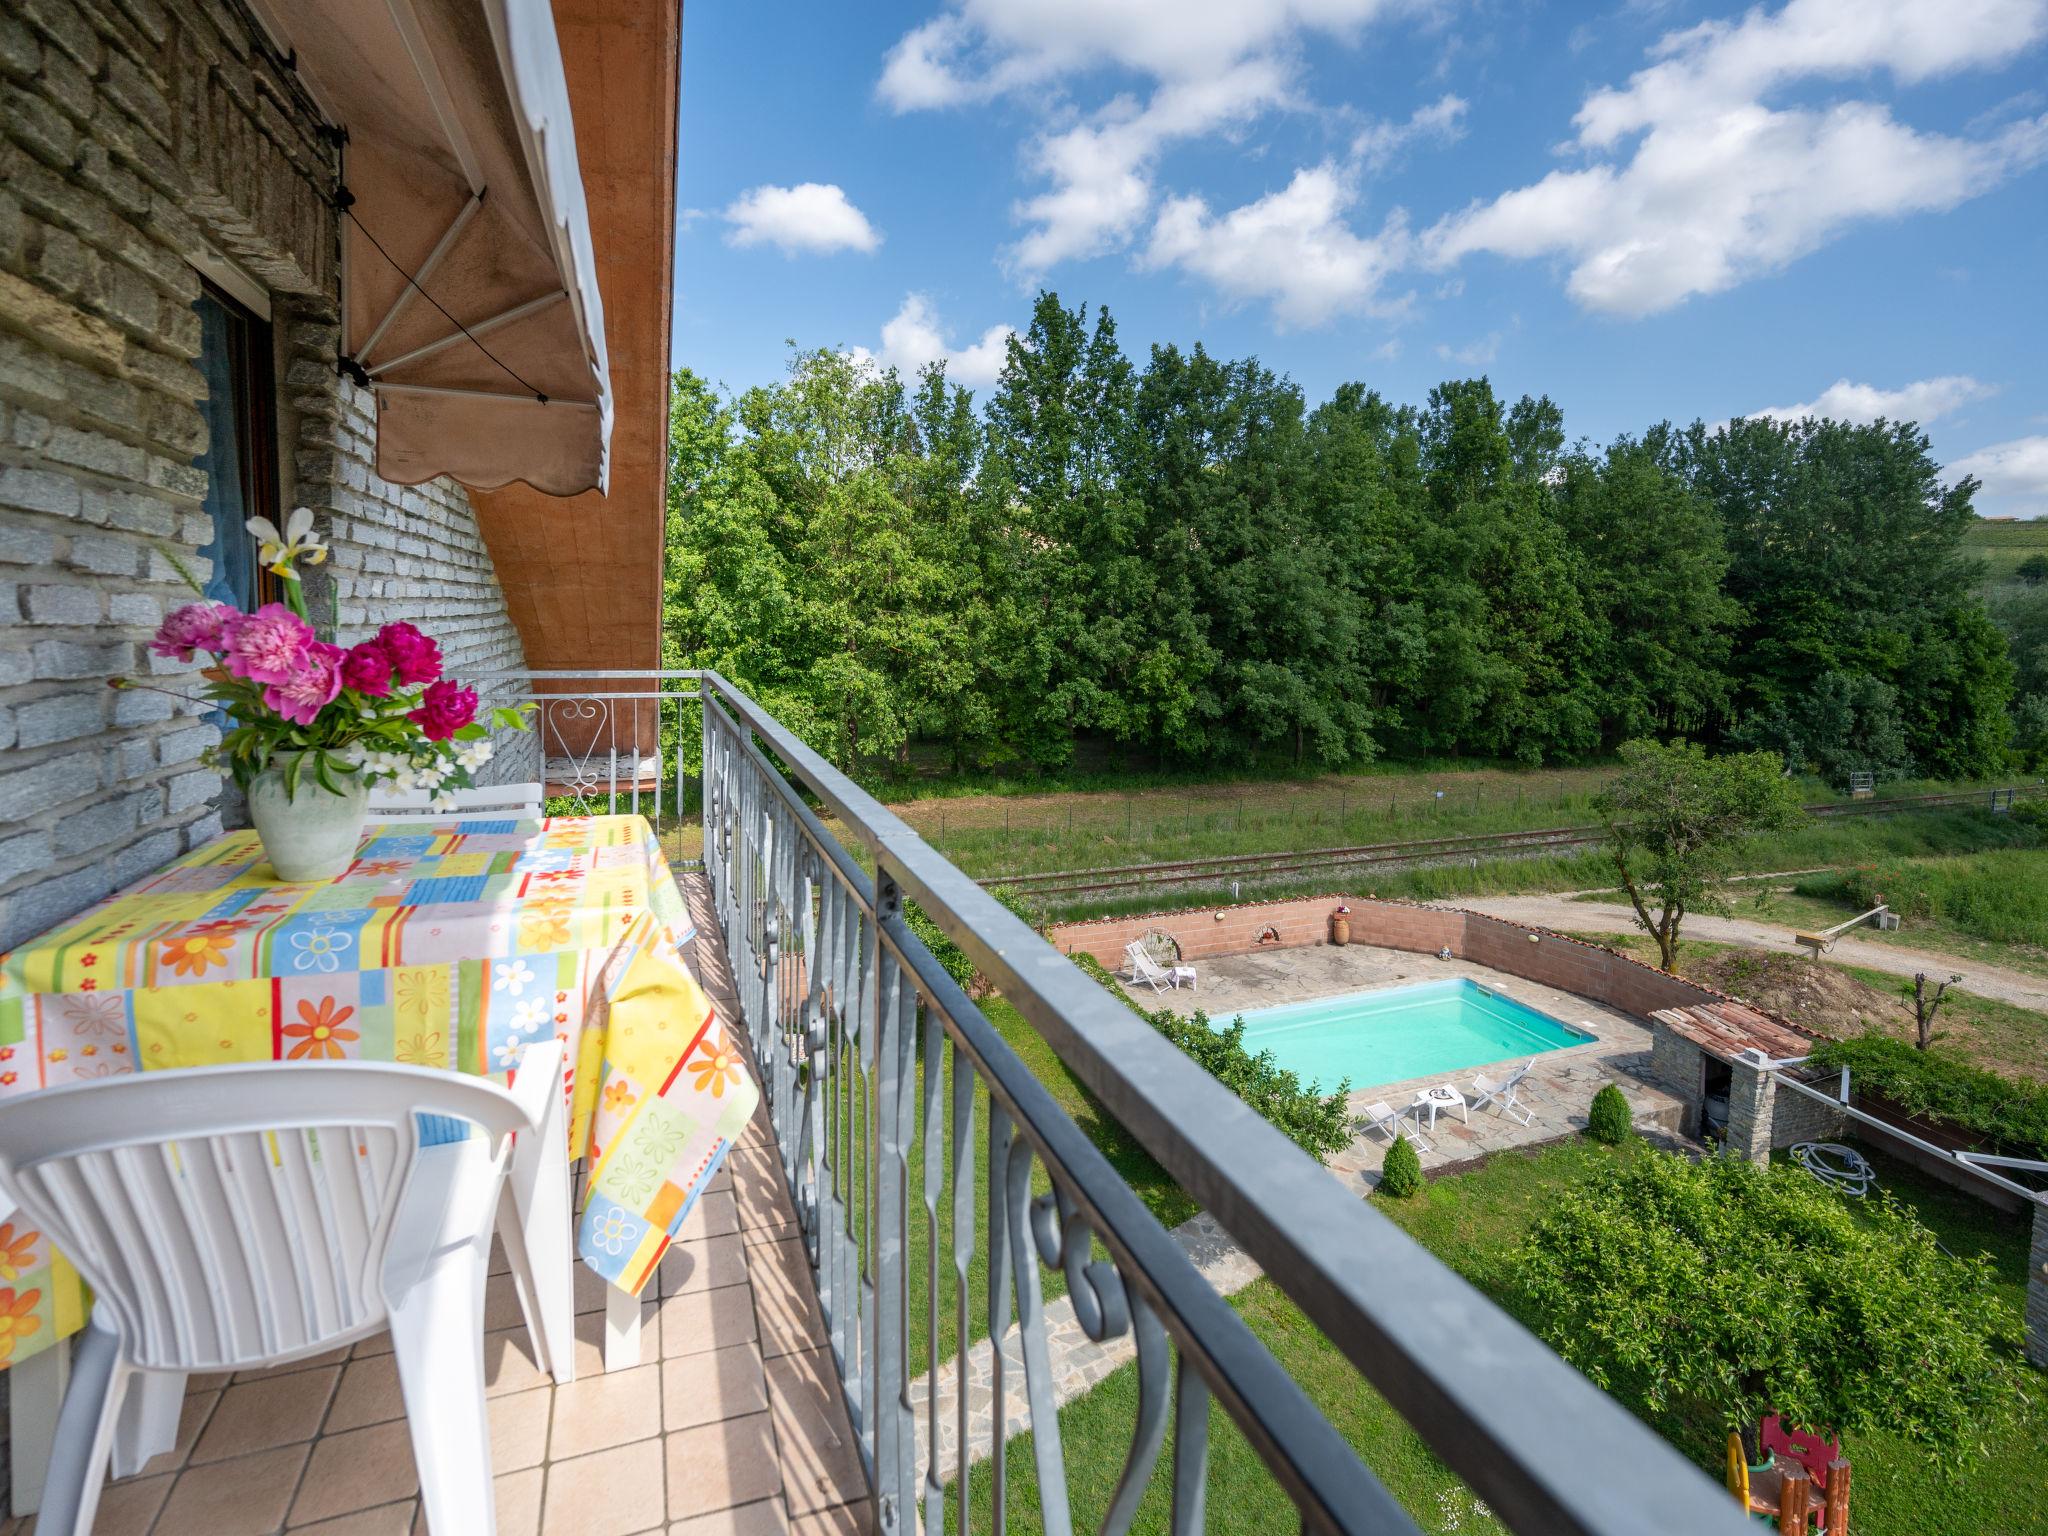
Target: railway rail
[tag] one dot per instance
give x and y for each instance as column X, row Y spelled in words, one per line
column 1253, row 868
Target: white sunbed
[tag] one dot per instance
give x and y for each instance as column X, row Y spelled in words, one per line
column 1387, row 1121
column 1502, row 1095
column 1154, row 975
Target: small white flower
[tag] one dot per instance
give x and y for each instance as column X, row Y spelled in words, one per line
column 529, row 1015
column 510, row 1052
column 512, row 978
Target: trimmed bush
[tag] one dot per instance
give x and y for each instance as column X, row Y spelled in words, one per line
column 1609, row 1120
column 1401, row 1174
column 2006, row 1116
column 1318, row 1123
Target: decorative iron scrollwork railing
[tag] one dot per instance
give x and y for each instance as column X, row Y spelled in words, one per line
column 901, row 1116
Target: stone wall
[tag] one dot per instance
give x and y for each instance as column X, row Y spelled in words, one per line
column 134, row 136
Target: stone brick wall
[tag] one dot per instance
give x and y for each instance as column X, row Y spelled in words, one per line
column 134, row 135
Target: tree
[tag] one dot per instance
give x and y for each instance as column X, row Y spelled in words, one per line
column 1401, row 1173
column 1925, row 1007
column 1721, row 1290
column 1675, row 818
column 2033, row 570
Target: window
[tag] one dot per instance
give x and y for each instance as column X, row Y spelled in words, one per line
column 240, row 458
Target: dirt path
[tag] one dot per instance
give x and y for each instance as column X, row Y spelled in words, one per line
column 1566, row 915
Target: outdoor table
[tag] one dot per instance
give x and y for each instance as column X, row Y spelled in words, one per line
column 452, row 945
column 1443, row 1096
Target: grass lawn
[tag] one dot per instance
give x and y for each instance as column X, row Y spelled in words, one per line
column 1473, row 1222
column 2002, row 546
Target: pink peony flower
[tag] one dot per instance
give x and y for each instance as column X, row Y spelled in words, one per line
column 269, row 645
column 367, row 669
column 445, row 708
column 414, row 658
column 310, row 689
column 194, row 627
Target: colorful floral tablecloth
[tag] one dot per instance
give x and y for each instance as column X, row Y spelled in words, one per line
column 453, row 946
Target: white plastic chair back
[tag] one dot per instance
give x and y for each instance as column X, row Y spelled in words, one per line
column 416, row 806
column 234, row 1215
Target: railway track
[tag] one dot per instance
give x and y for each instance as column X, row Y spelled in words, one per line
column 1256, row 868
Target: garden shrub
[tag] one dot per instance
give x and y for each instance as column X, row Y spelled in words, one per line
column 1721, row 1291
column 1609, row 1120
column 1401, row 1174
column 1318, row 1123
column 2007, row 1116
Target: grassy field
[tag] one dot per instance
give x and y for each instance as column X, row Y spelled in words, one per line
column 1473, row 1222
column 1813, row 844
column 2002, row 546
column 990, row 836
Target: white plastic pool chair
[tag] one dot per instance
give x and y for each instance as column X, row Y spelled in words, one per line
column 233, row 1218
column 1146, row 970
column 415, row 807
column 1387, row 1121
column 1502, row 1095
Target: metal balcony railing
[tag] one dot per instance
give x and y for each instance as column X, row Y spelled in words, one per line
column 873, row 1056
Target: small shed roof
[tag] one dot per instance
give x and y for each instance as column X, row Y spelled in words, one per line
column 1726, row 1029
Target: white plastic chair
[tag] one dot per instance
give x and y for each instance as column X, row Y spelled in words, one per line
column 233, row 1218
column 1502, row 1095
column 415, row 807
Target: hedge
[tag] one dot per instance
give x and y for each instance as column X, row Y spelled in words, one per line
column 1317, row 1123
column 2009, row 1117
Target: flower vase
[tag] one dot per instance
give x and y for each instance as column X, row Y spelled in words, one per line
column 311, row 834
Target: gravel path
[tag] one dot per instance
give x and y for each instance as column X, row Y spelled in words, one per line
column 1564, row 914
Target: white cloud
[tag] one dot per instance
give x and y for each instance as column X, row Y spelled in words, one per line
column 914, row 336
column 2015, row 475
column 1291, row 248
column 812, row 217
column 1923, row 400
column 1475, row 354
column 1700, row 184
column 1443, row 120
column 1214, row 66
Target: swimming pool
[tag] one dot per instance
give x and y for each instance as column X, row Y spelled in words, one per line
column 1433, row 1029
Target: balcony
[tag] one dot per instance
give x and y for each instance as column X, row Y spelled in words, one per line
column 909, row 1183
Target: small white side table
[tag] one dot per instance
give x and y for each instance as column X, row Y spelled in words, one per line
column 1443, row 1096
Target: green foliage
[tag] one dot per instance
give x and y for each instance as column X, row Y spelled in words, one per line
column 2008, row 1116
column 1317, row 1123
column 1401, row 1173
column 1734, row 1291
column 951, row 957
column 1181, row 559
column 1999, row 897
column 1676, row 821
column 1609, row 1120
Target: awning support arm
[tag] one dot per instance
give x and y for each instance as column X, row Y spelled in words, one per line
column 481, row 394
column 404, row 296
column 415, row 39
column 504, row 317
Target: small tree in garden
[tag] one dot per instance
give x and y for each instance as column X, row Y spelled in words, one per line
column 1925, row 1007
column 1675, row 819
column 1609, row 1120
column 1721, row 1289
column 1401, row 1175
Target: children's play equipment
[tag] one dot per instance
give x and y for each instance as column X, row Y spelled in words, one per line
column 1802, row 1484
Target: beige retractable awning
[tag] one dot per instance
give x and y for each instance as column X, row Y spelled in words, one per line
column 469, row 288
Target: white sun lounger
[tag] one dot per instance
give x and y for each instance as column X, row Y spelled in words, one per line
column 1154, row 975
column 1388, row 1122
column 1502, row 1095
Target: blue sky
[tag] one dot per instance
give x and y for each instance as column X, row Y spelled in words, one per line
column 1645, row 209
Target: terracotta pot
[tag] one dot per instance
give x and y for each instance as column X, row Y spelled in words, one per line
column 1340, row 928
column 312, row 834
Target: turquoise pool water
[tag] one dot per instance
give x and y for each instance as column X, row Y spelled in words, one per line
column 1434, row 1029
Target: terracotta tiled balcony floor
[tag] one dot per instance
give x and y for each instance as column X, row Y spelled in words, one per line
column 732, row 1426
